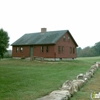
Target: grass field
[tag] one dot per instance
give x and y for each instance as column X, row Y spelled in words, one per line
column 27, row 80
column 91, row 86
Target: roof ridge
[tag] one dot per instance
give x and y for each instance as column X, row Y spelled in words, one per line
column 46, row 31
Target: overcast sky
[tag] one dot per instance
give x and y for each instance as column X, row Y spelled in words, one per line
column 80, row 17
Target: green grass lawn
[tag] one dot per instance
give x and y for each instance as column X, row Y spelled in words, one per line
column 93, row 85
column 28, row 80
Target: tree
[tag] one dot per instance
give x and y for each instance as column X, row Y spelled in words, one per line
column 78, row 51
column 4, row 42
column 97, row 48
column 87, row 52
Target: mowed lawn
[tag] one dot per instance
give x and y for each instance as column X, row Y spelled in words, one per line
column 28, row 80
column 93, row 85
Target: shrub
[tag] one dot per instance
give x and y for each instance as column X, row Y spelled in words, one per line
column 8, row 54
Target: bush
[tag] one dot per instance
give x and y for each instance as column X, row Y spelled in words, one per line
column 8, row 54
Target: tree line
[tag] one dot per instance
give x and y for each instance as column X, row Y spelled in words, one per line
column 89, row 51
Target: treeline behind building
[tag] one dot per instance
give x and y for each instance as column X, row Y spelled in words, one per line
column 89, row 51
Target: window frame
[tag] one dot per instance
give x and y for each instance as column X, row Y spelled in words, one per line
column 64, row 38
column 47, row 48
column 73, row 50
column 59, row 49
column 21, row 49
column 68, row 38
column 17, row 49
column 70, row 50
column 62, row 49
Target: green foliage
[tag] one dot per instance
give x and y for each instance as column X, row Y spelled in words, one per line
column 4, row 40
column 8, row 54
column 97, row 48
column 78, row 51
column 89, row 51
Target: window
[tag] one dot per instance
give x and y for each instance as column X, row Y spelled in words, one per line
column 68, row 38
column 21, row 49
column 42, row 48
column 73, row 50
column 59, row 49
column 17, row 49
column 47, row 48
column 64, row 38
column 70, row 50
column 62, row 48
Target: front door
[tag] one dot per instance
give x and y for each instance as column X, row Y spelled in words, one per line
column 31, row 51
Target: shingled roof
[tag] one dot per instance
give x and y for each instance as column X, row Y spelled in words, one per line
column 50, row 37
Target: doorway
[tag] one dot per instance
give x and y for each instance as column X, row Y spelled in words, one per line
column 31, row 51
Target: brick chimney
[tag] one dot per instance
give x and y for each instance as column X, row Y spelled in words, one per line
column 43, row 30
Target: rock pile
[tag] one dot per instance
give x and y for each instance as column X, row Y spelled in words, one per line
column 70, row 87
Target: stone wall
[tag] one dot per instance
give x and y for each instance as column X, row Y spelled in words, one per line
column 70, row 87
